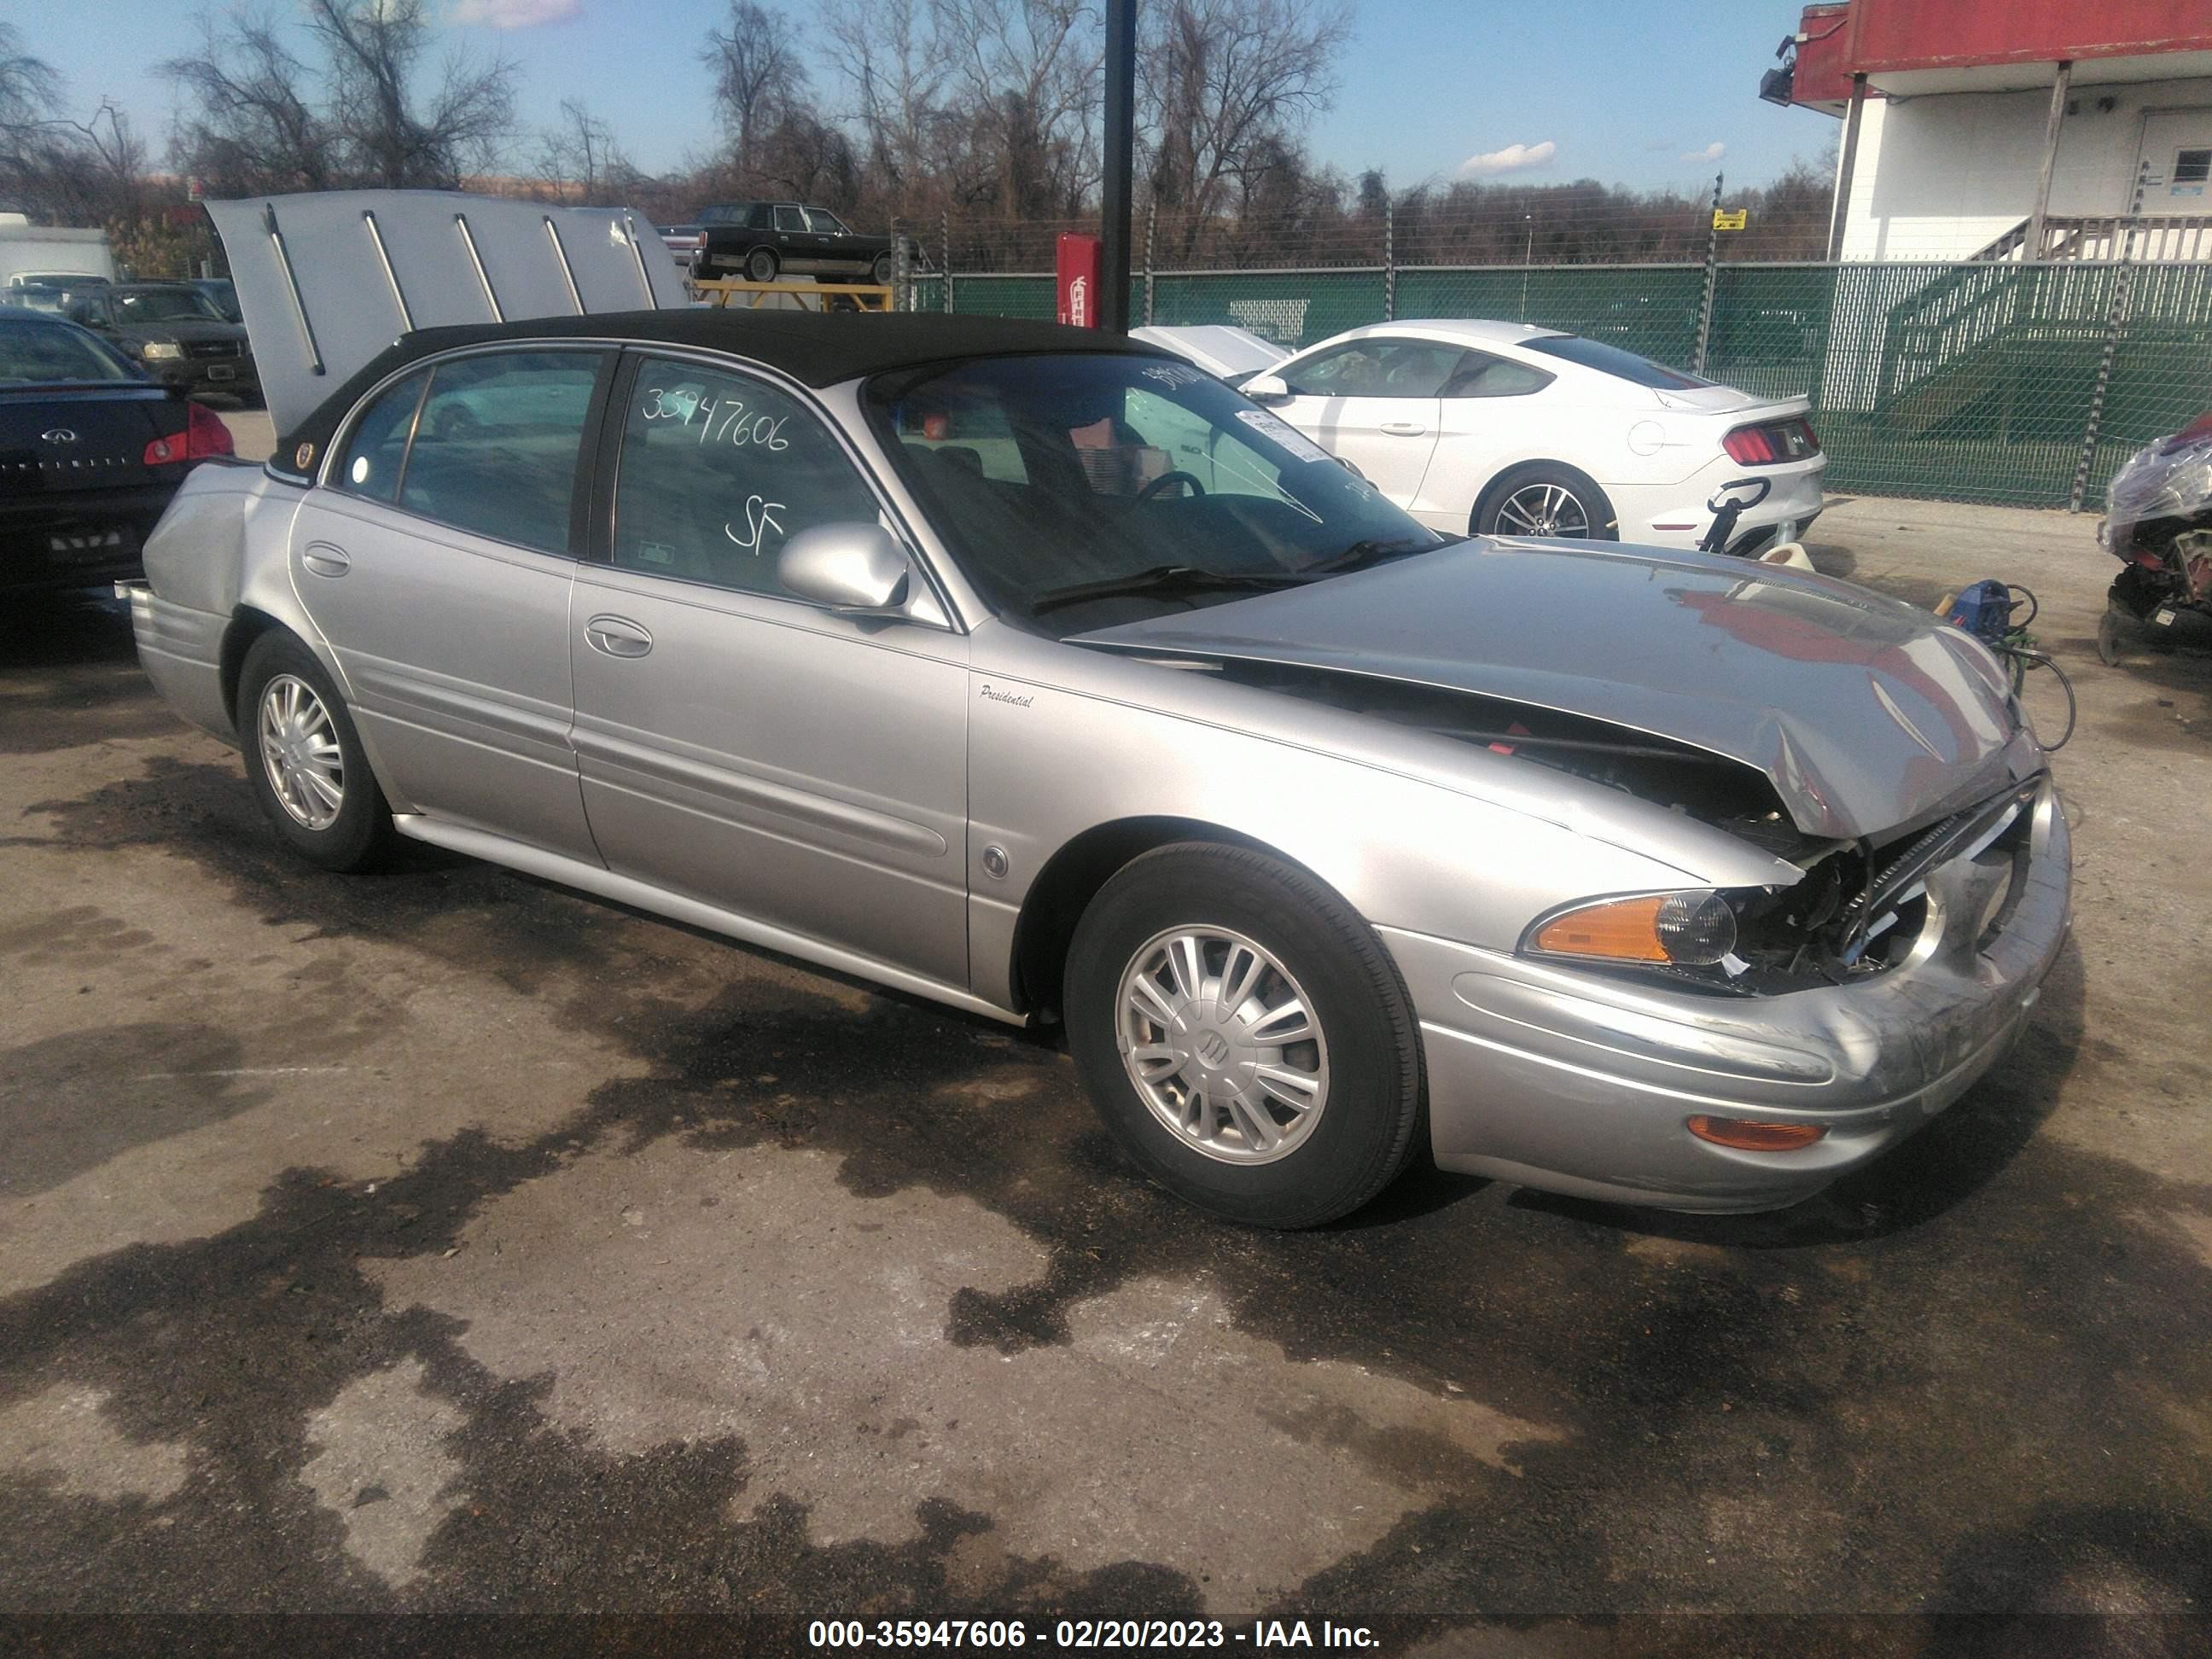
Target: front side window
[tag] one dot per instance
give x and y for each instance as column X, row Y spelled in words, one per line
column 718, row 470
column 377, row 450
column 1048, row 473
column 825, row 221
column 496, row 444
column 790, row 218
column 1375, row 368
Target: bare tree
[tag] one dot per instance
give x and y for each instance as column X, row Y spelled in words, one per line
column 579, row 160
column 893, row 70
column 30, row 90
column 399, row 134
column 1025, row 76
column 1226, row 87
column 251, row 129
column 759, row 77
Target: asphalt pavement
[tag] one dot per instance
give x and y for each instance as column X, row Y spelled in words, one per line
column 443, row 1240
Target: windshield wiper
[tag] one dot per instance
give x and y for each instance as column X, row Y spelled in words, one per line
column 1361, row 553
column 1164, row 579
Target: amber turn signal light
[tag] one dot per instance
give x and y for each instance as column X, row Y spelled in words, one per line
column 1626, row 929
column 1747, row 1137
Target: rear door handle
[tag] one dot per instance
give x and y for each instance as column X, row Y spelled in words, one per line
column 617, row 636
column 325, row 560
column 1404, row 429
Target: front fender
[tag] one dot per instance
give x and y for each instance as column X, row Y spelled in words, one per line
column 1417, row 832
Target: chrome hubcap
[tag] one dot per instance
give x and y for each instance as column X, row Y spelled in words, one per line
column 1221, row 1044
column 299, row 751
column 1543, row 509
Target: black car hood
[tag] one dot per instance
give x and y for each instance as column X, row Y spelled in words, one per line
column 1865, row 714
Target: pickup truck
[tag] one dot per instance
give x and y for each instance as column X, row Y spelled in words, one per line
column 763, row 241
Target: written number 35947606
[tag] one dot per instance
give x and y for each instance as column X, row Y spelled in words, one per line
column 720, row 419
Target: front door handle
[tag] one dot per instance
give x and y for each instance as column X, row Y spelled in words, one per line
column 1404, row 429
column 617, row 636
column 325, row 560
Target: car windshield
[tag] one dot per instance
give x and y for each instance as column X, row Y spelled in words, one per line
column 1612, row 360
column 164, row 305
column 1140, row 478
column 32, row 352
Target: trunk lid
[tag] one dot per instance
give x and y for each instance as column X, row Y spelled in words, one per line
column 327, row 281
column 1865, row 714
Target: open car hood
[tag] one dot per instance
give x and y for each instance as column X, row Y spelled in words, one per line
column 1866, row 714
column 328, row 280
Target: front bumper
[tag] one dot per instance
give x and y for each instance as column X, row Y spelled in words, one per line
column 1576, row 1083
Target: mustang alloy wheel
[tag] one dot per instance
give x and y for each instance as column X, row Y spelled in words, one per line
column 1244, row 1034
column 1223, row 1044
column 1543, row 509
column 300, row 748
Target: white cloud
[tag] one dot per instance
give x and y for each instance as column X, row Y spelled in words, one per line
column 517, row 14
column 1710, row 153
column 1514, row 158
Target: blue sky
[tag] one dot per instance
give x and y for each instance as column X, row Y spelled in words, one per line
column 1633, row 92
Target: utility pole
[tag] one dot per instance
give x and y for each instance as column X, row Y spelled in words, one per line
column 1119, row 158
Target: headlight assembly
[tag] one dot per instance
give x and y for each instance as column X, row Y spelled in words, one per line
column 161, row 349
column 1693, row 929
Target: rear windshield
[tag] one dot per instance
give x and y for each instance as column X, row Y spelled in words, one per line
column 32, row 352
column 1612, row 360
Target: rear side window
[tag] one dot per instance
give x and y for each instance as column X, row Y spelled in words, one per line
column 496, row 444
column 373, row 457
column 1612, row 360
column 790, row 218
column 1481, row 375
column 718, row 472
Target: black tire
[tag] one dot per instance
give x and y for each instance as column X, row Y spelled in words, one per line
column 884, row 268
column 1364, row 1133
column 361, row 833
column 761, row 265
column 1597, row 512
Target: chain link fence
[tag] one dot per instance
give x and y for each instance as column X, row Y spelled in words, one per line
column 1997, row 382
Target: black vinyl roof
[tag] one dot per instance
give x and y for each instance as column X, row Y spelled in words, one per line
column 816, row 348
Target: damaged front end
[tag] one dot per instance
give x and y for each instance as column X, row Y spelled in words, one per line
column 1859, row 909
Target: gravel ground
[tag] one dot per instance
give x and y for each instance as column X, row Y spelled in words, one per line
column 444, row 1241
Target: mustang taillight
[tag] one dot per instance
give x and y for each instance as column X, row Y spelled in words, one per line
column 1768, row 445
column 205, row 435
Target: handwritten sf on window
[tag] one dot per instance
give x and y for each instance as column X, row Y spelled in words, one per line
column 760, row 517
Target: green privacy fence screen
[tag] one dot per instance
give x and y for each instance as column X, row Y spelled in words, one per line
column 1990, row 381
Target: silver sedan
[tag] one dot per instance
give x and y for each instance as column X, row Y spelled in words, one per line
column 1046, row 676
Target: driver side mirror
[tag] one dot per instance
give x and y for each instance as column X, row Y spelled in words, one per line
column 1267, row 389
column 856, row 569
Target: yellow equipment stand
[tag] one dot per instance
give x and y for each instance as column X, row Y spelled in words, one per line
column 728, row 291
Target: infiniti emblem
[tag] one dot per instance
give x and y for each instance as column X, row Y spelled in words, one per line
column 59, row 434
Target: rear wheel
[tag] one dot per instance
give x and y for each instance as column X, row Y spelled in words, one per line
column 304, row 759
column 761, row 264
column 1545, row 499
column 884, row 268
column 1244, row 1035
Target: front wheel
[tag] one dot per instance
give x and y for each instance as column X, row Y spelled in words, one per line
column 304, row 759
column 1244, row 1035
column 1546, row 499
